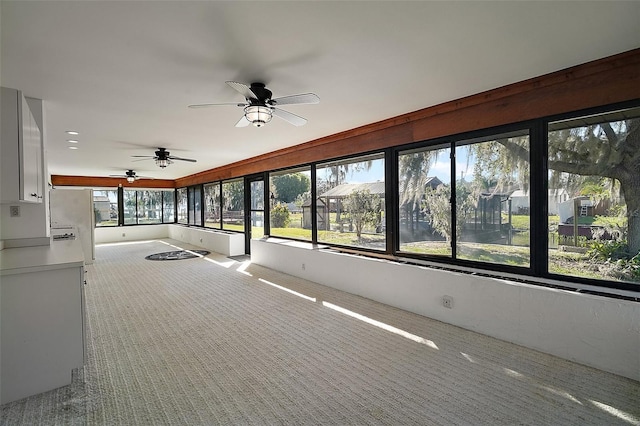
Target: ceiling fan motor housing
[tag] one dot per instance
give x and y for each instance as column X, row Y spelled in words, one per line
column 262, row 94
column 162, row 154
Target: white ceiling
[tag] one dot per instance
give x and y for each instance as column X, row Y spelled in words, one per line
column 123, row 73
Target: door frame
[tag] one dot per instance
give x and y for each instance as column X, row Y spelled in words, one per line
column 248, row 180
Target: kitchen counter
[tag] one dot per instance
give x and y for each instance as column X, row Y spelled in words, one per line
column 57, row 255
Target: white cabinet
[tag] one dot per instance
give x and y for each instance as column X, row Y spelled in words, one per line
column 21, row 148
column 42, row 318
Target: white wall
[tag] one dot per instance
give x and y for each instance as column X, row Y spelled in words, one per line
column 597, row 331
column 229, row 244
column 114, row 234
column 74, row 206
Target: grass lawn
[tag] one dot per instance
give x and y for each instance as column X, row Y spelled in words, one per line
column 373, row 241
column 517, row 254
column 297, row 233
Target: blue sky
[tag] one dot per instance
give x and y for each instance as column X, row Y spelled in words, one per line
column 441, row 169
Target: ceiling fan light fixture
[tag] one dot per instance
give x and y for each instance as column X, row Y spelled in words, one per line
column 162, row 162
column 258, row 115
column 131, row 179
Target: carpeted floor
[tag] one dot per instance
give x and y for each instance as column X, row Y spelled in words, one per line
column 211, row 340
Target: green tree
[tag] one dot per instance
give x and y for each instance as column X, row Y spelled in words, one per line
column 288, row 187
column 363, row 208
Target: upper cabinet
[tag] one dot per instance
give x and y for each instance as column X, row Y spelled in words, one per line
column 22, row 169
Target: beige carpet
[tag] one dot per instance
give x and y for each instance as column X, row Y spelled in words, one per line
column 216, row 341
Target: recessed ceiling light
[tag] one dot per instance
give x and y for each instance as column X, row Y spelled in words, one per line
column 73, row 147
column 72, row 141
column 72, row 132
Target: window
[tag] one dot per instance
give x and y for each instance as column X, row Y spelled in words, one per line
column 256, row 209
column 594, row 196
column 290, row 203
column 424, row 190
column 492, row 199
column 233, row 205
column 168, row 206
column 181, row 201
column 105, row 207
column 212, row 203
column 130, row 207
column 350, row 204
column 195, row 205
column 149, row 207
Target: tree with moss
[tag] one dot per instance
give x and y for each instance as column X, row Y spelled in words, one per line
column 438, row 203
column 610, row 149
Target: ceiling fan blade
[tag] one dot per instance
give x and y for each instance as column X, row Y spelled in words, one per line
column 243, row 89
column 171, row 157
column 213, row 105
column 144, row 156
column 296, row 120
column 304, row 98
column 243, row 122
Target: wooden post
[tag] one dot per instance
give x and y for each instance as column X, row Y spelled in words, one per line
column 576, row 206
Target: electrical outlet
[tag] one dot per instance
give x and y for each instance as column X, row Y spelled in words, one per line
column 447, row 302
column 14, row 211
column 303, row 267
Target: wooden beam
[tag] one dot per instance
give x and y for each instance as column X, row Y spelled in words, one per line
column 109, row 182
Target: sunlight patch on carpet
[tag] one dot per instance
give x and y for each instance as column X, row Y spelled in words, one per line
column 382, row 325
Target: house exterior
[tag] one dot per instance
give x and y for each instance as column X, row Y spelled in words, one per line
column 520, row 203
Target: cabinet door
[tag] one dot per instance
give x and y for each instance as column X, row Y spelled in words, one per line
column 21, row 155
column 41, row 331
column 10, row 113
column 31, row 157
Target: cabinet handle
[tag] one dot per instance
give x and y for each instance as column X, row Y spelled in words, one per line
column 34, row 194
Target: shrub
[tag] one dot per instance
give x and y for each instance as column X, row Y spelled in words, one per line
column 608, row 250
column 280, row 216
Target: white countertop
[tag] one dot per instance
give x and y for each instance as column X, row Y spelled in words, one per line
column 57, row 255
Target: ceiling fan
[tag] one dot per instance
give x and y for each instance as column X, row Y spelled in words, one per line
column 163, row 158
column 131, row 176
column 259, row 107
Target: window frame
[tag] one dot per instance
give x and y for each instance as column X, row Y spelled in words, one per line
column 291, row 170
column 164, row 192
column 382, row 154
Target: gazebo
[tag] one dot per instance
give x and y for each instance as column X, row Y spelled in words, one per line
column 332, row 199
